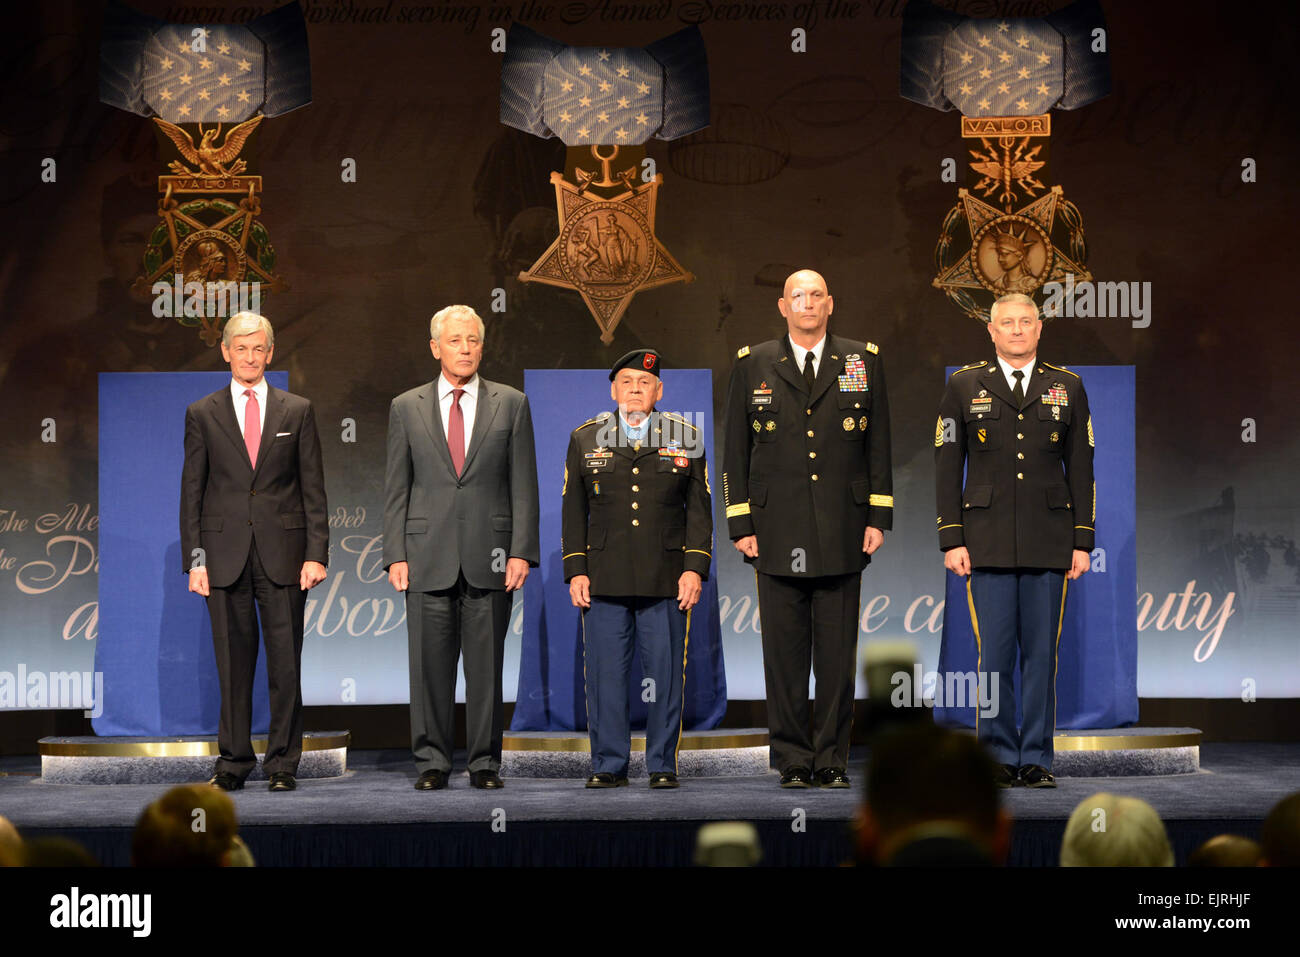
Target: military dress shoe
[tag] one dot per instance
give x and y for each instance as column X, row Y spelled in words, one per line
column 434, row 780
column 603, row 779
column 664, row 779
column 1036, row 776
column 796, row 777
column 226, row 781
column 1006, row 775
column 282, row 781
column 832, row 778
column 487, row 780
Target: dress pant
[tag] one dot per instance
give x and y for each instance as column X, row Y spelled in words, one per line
column 1018, row 609
column 611, row 628
column 441, row 626
column 234, row 637
column 809, row 621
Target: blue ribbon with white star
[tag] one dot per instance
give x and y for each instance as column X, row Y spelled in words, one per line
column 150, row 67
column 605, row 95
column 1002, row 67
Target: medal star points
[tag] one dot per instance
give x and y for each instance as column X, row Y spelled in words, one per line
column 985, row 41
column 205, row 63
column 584, row 102
column 584, row 70
column 185, row 79
column 643, row 88
column 223, row 80
column 243, row 96
column 204, row 94
column 245, row 66
column 624, row 102
column 606, row 300
column 642, row 119
column 1022, row 41
column 604, row 86
column 1004, row 57
column 986, row 73
column 166, row 63
column 1003, row 27
column 1044, row 59
column 624, row 72
column 604, row 56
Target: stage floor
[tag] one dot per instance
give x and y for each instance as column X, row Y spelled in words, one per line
column 372, row 815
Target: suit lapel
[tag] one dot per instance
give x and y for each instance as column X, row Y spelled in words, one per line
column 785, row 368
column 224, row 413
column 828, row 370
column 432, row 416
column 996, row 383
column 488, row 405
column 275, row 413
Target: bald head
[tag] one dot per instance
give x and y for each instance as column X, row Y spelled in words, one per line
column 806, row 306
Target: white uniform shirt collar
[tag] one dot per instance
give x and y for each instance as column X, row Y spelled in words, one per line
column 799, row 353
column 1008, row 368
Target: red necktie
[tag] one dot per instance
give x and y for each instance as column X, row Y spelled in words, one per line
column 252, row 426
column 456, row 431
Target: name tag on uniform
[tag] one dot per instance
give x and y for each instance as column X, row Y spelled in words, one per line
column 761, row 396
column 854, row 378
column 600, row 460
column 981, row 405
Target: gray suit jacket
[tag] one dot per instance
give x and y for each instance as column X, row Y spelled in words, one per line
column 441, row 524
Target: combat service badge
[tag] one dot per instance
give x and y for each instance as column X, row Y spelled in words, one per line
column 1009, row 231
column 604, row 104
column 210, row 255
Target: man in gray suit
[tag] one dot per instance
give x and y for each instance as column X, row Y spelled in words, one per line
column 460, row 533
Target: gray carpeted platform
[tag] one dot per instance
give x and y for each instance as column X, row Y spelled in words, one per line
column 1236, row 781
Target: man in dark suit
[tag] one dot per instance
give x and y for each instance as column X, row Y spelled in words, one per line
column 254, row 530
column 808, row 488
column 637, row 535
column 1023, row 526
column 460, row 534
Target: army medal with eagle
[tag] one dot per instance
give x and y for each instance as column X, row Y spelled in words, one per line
column 1009, row 232
column 210, row 232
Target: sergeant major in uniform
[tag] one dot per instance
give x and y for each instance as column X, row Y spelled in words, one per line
column 808, row 489
column 1022, row 527
column 637, row 532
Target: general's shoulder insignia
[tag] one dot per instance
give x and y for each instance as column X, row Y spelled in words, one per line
column 873, row 348
column 742, row 352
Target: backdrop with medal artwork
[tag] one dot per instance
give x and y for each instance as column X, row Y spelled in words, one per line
column 360, row 165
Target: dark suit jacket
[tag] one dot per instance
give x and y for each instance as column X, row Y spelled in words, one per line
column 1029, row 498
column 808, row 471
column 441, row 524
column 226, row 504
column 633, row 533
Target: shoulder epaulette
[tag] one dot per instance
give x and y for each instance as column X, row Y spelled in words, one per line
column 973, row 365
column 742, row 352
column 677, row 418
column 873, row 348
column 600, row 418
column 1062, row 369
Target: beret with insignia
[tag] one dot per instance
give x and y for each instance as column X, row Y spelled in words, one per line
column 646, row 360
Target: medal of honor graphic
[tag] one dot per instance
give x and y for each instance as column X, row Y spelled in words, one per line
column 207, row 90
column 1009, row 232
column 604, row 103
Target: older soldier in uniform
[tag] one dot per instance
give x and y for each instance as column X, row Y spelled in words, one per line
column 1023, row 526
column 808, row 488
column 637, row 530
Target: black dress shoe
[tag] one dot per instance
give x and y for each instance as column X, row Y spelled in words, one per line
column 487, row 780
column 796, row 777
column 832, row 778
column 434, row 780
column 664, row 779
column 603, row 779
column 283, row 781
column 226, row 781
column 1006, row 775
column 1036, row 776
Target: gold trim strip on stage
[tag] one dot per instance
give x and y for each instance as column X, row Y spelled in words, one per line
column 1125, row 742
column 180, row 748
column 582, row 743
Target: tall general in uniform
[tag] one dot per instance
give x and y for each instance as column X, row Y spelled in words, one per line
column 1022, row 527
column 808, row 488
column 638, row 530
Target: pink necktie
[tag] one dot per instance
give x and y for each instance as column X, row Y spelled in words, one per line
column 252, row 426
column 456, row 431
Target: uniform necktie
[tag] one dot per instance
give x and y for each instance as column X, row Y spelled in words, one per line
column 1019, row 391
column 809, row 373
column 252, row 426
column 456, row 431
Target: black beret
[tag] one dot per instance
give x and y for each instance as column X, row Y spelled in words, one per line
column 645, row 359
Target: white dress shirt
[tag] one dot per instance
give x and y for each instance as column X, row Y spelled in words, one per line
column 800, row 352
column 468, row 405
column 237, row 390
column 1027, row 369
